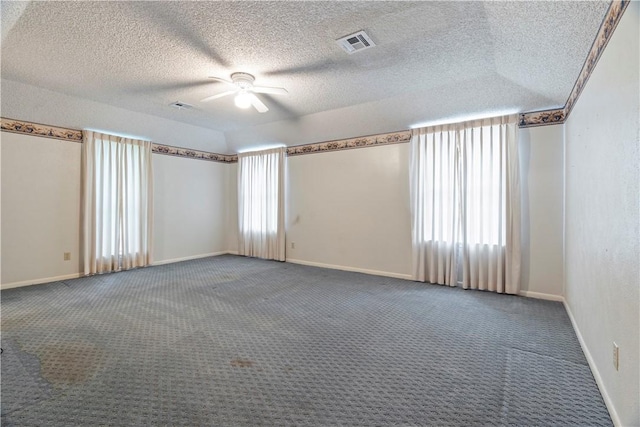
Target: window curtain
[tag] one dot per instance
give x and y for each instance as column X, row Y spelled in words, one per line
column 117, row 202
column 465, row 205
column 261, row 204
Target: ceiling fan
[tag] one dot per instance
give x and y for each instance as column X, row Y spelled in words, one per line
column 246, row 92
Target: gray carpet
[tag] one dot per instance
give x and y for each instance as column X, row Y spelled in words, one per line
column 237, row 341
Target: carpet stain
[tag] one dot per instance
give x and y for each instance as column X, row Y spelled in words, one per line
column 223, row 278
column 241, row 363
column 69, row 363
column 11, row 323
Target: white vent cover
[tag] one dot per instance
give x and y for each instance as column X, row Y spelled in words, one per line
column 180, row 105
column 355, row 42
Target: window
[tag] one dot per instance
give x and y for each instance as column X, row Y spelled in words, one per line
column 117, row 202
column 484, row 178
column 261, row 204
column 465, row 195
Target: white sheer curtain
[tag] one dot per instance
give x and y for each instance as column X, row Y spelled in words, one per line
column 465, row 201
column 435, row 183
column 117, row 202
column 261, row 204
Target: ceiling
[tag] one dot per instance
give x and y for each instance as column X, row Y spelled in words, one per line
column 471, row 57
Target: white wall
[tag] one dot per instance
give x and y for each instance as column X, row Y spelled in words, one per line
column 41, row 185
column 40, row 207
column 190, row 203
column 602, row 218
column 25, row 102
column 351, row 209
column 40, row 214
column 542, row 171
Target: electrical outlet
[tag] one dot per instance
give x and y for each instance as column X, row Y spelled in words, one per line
column 616, row 356
column 293, row 245
column 67, row 256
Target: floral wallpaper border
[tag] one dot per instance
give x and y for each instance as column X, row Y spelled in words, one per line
column 557, row 116
column 194, row 154
column 541, row 118
column 37, row 129
column 611, row 20
column 347, row 144
column 74, row 135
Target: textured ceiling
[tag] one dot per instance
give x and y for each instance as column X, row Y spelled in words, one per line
column 142, row 56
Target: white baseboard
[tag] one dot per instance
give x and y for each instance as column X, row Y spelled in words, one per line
column 353, row 269
column 187, row 258
column 76, row 275
column 40, row 281
column 540, row 295
column 594, row 369
column 232, row 252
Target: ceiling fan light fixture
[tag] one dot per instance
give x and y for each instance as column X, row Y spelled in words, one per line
column 245, row 92
column 243, row 100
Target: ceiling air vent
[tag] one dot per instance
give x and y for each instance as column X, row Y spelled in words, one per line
column 355, row 42
column 180, row 105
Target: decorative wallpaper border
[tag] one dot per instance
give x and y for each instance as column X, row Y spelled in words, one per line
column 347, row 144
column 558, row 116
column 75, row 135
column 611, row 20
column 542, row 118
column 194, row 154
column 37, row 129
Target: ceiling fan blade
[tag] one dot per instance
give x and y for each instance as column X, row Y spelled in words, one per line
column 270, row 90
column 257, row 104
column 276, row 105
column 220, row 95
column 222, row 80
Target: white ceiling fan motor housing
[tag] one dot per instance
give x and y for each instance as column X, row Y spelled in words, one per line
column 243, row 80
